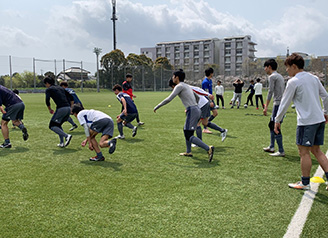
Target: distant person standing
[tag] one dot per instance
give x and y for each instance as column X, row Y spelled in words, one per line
column 238, row 84
column 251, row 94
column 127, row 88
column 276, row 90
column 258, row 93
column 14, row 111
column 76, row 102
column 63, row 101
column 219, row 91
column 305, row 89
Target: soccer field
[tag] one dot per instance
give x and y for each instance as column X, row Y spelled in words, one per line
column 145, row 189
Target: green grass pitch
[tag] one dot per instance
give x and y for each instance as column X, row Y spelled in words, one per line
column 145, row 189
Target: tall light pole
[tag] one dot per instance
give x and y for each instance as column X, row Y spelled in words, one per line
column 114, row 18
column 97, row 51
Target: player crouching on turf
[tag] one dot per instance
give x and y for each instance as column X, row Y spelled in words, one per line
column 95, row 122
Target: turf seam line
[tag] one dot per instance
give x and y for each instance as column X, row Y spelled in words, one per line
column 297, row 223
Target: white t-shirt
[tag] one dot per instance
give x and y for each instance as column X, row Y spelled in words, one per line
column 258, row 89
column 203, row 100
column 219, row 90
column 304, row 89
column 90, row 116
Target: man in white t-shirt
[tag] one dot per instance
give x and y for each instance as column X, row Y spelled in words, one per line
column 95, row 122
column 304, row 89
column 258, row 93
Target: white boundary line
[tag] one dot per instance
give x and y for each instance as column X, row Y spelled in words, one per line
column 297, row 223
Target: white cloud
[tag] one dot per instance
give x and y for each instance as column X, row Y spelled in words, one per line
column 13, row 37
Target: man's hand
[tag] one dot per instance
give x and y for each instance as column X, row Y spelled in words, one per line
column 277, row 127
column 265, row 110
column 51, row 111
column 211, row 97
column 83, row 143
column 90, row 146
column 326, row 117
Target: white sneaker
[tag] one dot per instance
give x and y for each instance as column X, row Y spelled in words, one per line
column 61, row 145
column 120, row 137
column 224, row 134
column 134, row 131
column 299, row 185
column 194, row 145
column 278, row 154
column 140, row 123
column 68, row 140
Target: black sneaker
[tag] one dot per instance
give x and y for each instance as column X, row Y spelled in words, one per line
column 4, row 145
column 73, row 128
column 25, row 134
column 134, row 131
column 97, row 159
column 210, row 154
column 112, row 146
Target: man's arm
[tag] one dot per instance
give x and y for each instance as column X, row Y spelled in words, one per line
column 124, row 106
column 174, row 93
column 48, row 102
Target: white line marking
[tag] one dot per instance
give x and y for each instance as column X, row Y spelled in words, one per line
column 297, row 223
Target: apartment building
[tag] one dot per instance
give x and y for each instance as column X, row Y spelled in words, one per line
column 230, row 54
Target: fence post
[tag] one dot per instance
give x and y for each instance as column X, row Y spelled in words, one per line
column 34, row 73
column 11, row 73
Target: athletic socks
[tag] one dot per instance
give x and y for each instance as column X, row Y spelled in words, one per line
column 21, row 126
column 305, row 180
column 7, row 141
column 211, row 118
column 326, row 175
column 199, row 142
column 215, row 127
column 188, row 144
column 120, row 128
column 99, row 155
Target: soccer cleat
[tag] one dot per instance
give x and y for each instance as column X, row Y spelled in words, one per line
column 73, row 128
column 210, row 154
column 97, row 159
column 120, row 137
column 112, row 146
column 207, row 131
column 5, row 145
column 68, row 140
column 268, row 149
column 25, row 134
column 61, row 145
column 224, row 134
column 140, row 123
column 299, row 185
column 186, row 154
column 217, row 107
column 278, row 154
column 134, row 131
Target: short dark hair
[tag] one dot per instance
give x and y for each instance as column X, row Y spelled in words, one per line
column 117, row 87
column 64, row 84
column 295, row 59
column 180, row 74
column 272, row 63
column 252, row 81
column 171, row 83
column 258, row 80
column 16, row 91
column 76, row 108
column 219, row 81
column 49, row 80
column 128, row 75
column 209, row 71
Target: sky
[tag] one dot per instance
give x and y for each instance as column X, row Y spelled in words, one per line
column 70, row 29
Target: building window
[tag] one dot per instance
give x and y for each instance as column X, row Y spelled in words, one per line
column 238, row 66
column 167, row 55
column 158, row 50
column 176, row 62
column 239, row 59
column 206, row 60
column 227, row 45
column 196, row 67
column 206, row 53
column 196, row 47
column 176, row 55
column 196, row 53
column 186, row 48
column 239, row 51
column 186, row 61
column 167, row 49
column 206, row 47
column 239, row 44
column 158, row 55
column 186, row 54
column 176, row 49
column 227, row 52
column 227, row 60
column 227, row 73
column 196, row 61
column 227, row 66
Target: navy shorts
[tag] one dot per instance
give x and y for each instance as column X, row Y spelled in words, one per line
column 193, row 114
column 14, row 112
column 310, row 135
column 130, row 117
column 104, row 126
